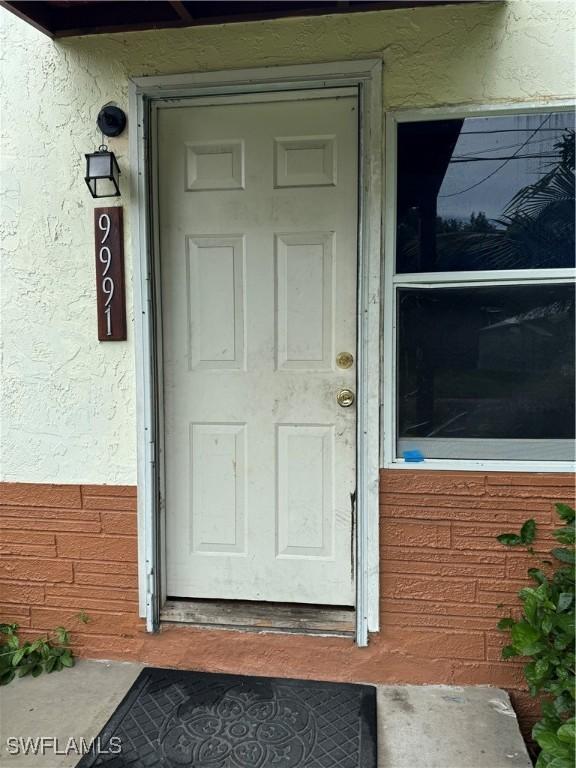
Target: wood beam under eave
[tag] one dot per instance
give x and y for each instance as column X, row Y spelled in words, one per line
column 40, row 25
column 182, row 11
column 42, row 16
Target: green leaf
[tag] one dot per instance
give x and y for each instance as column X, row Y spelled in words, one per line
column 526, row 639
column 528, row 531
column 25, row 669
column 530, row 601
column 37, row 670
column 548, row 712
column 509, row 651
column 13, row 642
column 67, row 659
column 7, row 676
column 567, row 732
column 530, row 674
column 564, row 703
column 566, row 512
column 509, row 539
column 33, row 657
column 18, row 656
column 543, row 761
column 564, row 555
column 506, row 623
column 49, row 664
column 565, row 600
column 62, row 635
column 538, row 575
column 566, row 535
column 565, row 622
column 541, row 667
column 561, row 643
column 551, row 744
column 559, row 762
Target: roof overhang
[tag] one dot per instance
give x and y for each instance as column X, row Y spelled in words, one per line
column 65, row 18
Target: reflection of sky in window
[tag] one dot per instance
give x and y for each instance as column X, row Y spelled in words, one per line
column 485, row 144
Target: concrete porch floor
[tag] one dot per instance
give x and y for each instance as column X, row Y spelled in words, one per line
column 418, row 726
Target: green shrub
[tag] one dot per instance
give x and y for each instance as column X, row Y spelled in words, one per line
column 545, row 634
column 46, row 654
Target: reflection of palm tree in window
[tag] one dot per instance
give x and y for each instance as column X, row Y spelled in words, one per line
column 535, row 231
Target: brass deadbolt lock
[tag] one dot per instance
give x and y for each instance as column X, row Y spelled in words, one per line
column 344, row 360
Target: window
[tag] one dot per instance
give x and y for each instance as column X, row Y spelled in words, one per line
column 483, row 289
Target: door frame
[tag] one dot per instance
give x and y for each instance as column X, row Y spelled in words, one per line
column 366, row 76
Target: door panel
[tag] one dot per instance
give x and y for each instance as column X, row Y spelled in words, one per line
column 258, row 258
column 305, row 491
column 215, row 311
column 305, row 301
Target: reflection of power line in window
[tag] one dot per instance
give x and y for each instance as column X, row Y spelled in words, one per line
column 513, row 130
column 502, row 147
column 495, row 171
column 547, row 156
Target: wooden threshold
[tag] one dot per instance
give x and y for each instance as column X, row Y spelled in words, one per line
column 261, row 617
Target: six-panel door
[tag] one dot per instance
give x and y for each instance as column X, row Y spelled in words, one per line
column 258, row 255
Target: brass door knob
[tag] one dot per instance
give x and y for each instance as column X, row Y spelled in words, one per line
column 345, row 398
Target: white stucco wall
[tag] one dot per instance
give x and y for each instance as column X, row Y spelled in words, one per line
column 68, row 402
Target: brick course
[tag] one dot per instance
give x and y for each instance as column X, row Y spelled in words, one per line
column 445, row 582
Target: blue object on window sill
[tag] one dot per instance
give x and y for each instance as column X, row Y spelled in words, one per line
column 414, row 455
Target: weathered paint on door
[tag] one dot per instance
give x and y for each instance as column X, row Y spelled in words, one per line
column 258, row 251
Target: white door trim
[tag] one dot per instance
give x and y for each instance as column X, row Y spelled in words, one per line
column 366, row 75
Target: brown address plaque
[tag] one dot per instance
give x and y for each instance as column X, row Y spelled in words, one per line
column 110, row 291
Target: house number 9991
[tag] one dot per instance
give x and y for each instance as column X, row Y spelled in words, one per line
column 105, row 256
column 108, row 226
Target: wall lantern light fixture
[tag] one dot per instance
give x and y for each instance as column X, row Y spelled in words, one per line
column 102, row 170
column 102, row 173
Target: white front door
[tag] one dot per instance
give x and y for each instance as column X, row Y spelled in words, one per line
column 258, row 259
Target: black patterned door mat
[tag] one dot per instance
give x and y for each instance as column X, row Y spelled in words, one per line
column 173, row 718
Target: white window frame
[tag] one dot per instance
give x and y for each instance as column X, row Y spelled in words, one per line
column 392, row 281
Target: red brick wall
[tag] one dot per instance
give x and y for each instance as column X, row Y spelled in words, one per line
column 66, row 549
column 445, row 581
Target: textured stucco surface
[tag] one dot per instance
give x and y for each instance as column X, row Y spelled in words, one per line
column 68, row 402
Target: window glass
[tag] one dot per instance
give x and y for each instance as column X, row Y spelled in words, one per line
column 478, row 365
column 486, row 193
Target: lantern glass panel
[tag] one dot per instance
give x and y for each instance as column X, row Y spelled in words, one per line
column 99, row 165
column 115, row 172
column 104, row 188
column 102, row 174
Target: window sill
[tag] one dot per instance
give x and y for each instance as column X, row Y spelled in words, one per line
column 479, row 465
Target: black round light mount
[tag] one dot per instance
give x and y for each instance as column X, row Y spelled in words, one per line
column 111, row 120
